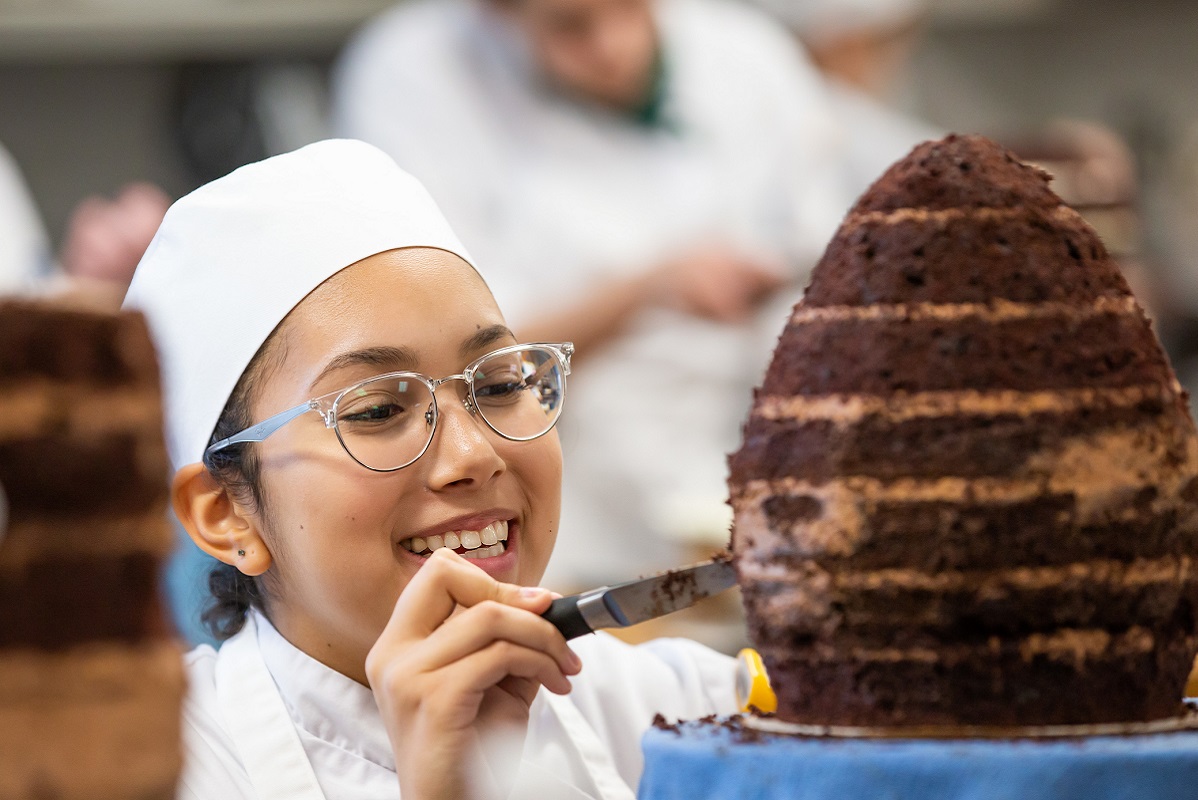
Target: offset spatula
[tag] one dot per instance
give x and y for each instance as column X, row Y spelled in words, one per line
column 639, row 600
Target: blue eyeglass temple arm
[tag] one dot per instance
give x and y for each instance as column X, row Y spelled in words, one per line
column 259, row 432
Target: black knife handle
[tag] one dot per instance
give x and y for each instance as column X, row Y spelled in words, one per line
column 565, row 616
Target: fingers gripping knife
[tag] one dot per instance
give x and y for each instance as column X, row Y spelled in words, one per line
column 647, row 598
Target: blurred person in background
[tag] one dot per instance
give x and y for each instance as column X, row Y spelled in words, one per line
column 863, row 49
column 24, row 248
column 651, row 180
column 104, row 240
column 106, row 237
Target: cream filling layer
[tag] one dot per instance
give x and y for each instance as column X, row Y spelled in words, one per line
column 994, row 311
column 46, row 407
column 485, row 543
column 1068, row 645
column 1062, row 213
column 846, row 409
column 47, row 538
column 1108, row 573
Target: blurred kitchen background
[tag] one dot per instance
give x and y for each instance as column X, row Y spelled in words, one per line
column 96, row 94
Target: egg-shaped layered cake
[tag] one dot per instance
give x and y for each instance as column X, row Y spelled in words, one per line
column 966, row 492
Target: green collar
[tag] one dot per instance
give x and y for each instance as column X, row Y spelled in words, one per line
column 652, row 113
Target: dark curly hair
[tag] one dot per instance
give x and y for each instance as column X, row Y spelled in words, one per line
column 238, row 471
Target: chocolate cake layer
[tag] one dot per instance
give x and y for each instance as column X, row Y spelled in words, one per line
column 959, row 172
column 938, row 535
column 62, row 475
column 985, row 685
column 813, row 600
column 37, row 340
column 1111, row 476
column 851, row 409
column 98, row 722
column 885, row 356
column 963, row 445
column 52, row 605
column 916, row 256
column 934, row 536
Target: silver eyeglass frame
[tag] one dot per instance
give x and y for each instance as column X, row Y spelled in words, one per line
column 327, row 405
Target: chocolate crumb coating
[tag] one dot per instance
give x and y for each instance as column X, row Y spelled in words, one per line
column 967, row 490
column 959, row 172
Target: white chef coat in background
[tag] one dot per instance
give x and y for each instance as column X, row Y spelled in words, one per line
column 875, row 135
column 553, row 197
column 584, row 745
column 24, row 248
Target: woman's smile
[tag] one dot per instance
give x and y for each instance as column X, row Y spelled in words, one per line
column 488, row 539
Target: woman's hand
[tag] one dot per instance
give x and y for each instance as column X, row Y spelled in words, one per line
column 454, row 673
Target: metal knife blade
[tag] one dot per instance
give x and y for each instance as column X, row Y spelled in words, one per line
column 639, row 600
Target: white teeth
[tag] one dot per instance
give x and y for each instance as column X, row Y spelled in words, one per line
column 485, row 552
column 478, row 544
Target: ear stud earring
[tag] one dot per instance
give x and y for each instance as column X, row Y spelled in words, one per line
column 241, row 552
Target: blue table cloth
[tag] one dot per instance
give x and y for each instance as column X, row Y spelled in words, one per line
column 699, row 761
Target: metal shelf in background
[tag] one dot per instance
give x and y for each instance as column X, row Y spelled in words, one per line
column 144, row 30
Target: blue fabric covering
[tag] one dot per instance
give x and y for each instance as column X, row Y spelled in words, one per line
column 186, row 585
column 705, row 762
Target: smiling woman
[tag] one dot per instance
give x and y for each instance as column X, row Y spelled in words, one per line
column 370, row 454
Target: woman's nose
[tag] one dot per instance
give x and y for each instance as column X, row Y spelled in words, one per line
column 462, row 451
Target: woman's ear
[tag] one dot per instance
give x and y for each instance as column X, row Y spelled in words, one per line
column 216, row 523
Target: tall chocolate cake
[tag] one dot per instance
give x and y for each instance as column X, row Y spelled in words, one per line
column 966, row 492
column 90, row 680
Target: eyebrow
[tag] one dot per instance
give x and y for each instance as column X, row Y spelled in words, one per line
column 393, row 358
column 404, row 358
column 484, row 337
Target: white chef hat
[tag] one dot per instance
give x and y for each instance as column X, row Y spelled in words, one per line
column 826, row 18
column 232, row 258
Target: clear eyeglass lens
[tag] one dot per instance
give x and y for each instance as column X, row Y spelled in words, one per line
column 386, row 423
column 519, row 393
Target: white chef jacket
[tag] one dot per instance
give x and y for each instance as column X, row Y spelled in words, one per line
column 265, row 721
column 24, row 248
column 552, row 197
column 875, row 135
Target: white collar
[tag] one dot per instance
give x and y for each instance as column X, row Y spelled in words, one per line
column 324, row 703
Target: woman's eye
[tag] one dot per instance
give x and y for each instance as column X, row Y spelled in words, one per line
column 498, row 390
column 377, row 412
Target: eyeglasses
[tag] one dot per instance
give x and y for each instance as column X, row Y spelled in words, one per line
column 387, row 422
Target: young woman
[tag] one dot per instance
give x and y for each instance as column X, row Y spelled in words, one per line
column 370, row 454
